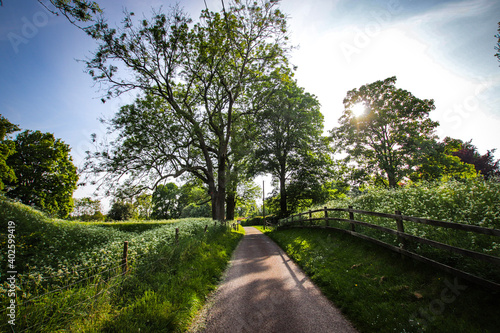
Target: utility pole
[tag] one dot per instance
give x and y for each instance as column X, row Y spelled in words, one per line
column 263, row 204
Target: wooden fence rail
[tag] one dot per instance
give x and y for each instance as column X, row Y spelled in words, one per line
column 402, row 236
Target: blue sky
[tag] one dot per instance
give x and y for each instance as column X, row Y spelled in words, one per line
column 442, row 50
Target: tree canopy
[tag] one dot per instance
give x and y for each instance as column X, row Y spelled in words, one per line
column 87, row 209
column 485, row 165
column 392, row 136
column 166, row 201
column 76, row 11
column 7, row 148
column 86, row 206
column 197, row 82
column 290, row 145
column 121, row 211
column 441, row 163
column 46, row 176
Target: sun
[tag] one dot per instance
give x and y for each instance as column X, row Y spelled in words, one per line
column 358, row 109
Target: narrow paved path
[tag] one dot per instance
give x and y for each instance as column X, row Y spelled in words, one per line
column 264, row 291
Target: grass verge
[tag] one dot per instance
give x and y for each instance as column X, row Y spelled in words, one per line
column 379, row 291
column 69, row 276
column 168, row 289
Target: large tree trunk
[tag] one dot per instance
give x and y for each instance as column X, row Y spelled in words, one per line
column 283, row 206
column 230, row 205
column 391, row 177
column 218, row 198
column 213, row 196
column 219, row 204
column 221, row 189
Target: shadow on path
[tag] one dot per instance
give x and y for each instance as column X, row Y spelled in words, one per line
column 264, row 291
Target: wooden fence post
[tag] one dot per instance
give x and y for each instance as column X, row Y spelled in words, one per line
column 399, row 223
column 176, row 236
column 351, row 217
column 310, row 218
column 125, row 258
column 326, row 217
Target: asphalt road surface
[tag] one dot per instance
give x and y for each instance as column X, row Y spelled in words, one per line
column 264, row 291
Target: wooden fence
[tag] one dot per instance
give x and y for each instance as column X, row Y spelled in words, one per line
column 307, row 218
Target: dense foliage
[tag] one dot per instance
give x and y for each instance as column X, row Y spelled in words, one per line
column 380, row 292
column 485, row 165
column 7, row 148
column 393, row 134
column 45, row 174
column 87, row 209
column 121, row 211
column 165, row 201
column 290, row 146
column 198, row 83
column 473, row 201
column 69, row 273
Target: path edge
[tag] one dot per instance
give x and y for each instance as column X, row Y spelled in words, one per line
column 198, row 324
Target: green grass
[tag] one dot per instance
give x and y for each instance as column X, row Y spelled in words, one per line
column 473, row 202
column 133, row 226
column 177, row 282
column 59, row 290
column 379, row 291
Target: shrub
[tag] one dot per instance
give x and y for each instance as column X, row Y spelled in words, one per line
column 193, row 210
column 121, row 211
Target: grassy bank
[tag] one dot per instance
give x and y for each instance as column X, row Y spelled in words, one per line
column 70, row 275
column 472, row 202
column 381, row 292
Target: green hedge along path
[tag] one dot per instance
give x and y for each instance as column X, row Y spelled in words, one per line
column 264, row 291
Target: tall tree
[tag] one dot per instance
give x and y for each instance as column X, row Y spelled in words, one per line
column 86, row 206
column 442, row 163
column 46, row 176
column 392, row 135
column 7, row 148
column 86, row 209
column 201, row 78
column 121, row 211
column 144, row 206
column 485, row 165
column 290, row 139
column 239, row 174
column 166, row 202
column 247, row 194
column 194, row 199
